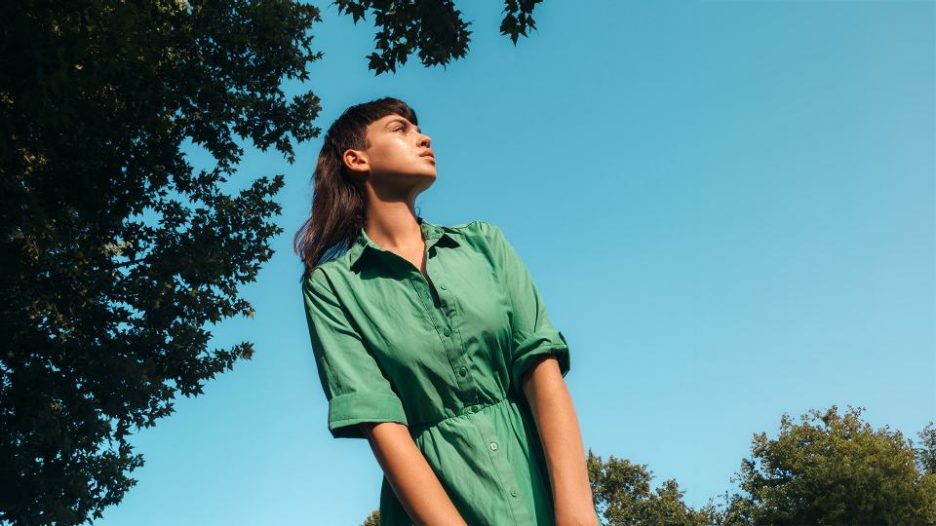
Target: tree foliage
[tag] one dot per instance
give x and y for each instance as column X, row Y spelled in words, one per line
column 830, row 469
column 926, row 454
column 116, row 255
column 373, row 518
column 835, row 469
column 434, row 29
column 623, row 496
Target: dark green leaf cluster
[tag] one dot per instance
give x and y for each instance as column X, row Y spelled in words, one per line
column 834, row 469
column 432, row 28
column 623, row 496
column 116, row 256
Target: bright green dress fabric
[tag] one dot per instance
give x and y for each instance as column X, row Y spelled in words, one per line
column 445, row 357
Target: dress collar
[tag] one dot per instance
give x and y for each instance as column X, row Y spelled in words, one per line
column 432, row 233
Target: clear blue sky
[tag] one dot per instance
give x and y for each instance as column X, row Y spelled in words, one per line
column 727, row 205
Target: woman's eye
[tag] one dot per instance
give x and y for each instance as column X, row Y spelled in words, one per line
column 400, row 128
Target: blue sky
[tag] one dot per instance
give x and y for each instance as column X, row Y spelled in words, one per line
column 727, row 205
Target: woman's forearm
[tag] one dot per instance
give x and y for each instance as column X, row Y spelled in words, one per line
column 412, row 479
column 552, row 409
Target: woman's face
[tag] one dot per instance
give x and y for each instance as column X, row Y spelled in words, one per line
column 397, row 148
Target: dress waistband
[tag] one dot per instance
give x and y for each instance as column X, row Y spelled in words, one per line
column 468, row 409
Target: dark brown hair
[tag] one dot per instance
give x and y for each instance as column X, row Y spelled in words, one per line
column 338, row 201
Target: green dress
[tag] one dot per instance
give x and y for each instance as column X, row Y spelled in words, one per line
column 443, row 356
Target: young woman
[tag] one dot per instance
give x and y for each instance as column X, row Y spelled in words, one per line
column 432, row 342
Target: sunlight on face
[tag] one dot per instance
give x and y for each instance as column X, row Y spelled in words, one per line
column 398, row 148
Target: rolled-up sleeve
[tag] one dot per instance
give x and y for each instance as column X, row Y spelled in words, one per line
column 532, row 332
column 353, row 382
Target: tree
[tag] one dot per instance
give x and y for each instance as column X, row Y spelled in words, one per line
column 116, row 257
column 926, row 455
column 433, row 28
column 623, row 497
column 373, row 519
column 834, row 469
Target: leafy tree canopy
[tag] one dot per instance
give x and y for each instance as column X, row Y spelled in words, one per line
column 623, row 496
column 834, row 469
column 434, row 29
column 116, row 255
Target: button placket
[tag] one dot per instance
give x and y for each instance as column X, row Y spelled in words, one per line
column 504, row 470
column 449, row 319
column 441, row 320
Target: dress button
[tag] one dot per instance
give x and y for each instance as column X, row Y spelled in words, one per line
column 446, row 331
column 493, row 446
column 513, row 492
column 442, row 286
column 463, row 371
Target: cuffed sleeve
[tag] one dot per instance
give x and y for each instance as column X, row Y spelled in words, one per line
column 533, row 334
column 353, row 382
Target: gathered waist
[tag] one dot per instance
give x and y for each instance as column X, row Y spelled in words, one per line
column 466, row 410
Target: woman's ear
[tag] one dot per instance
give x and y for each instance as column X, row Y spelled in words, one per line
column 355, row 161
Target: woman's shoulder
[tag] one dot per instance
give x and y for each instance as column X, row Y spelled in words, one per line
column 477, row 227
column 479, row 235
column 320, row 277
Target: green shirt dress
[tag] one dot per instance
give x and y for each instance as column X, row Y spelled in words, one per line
column 444, row 356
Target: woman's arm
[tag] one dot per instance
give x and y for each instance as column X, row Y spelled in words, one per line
column 412, row 479
column 552, row 409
